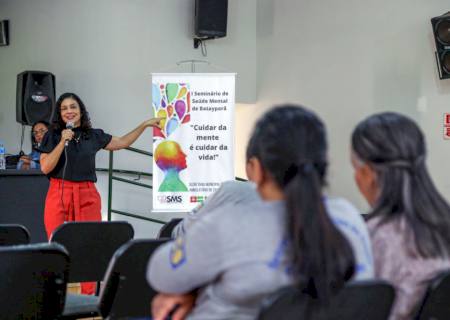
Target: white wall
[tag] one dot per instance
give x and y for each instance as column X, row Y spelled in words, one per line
column 105, row 50
column 348, row 59
column 345, row 59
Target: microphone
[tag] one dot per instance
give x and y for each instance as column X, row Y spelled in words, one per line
column 69, row 125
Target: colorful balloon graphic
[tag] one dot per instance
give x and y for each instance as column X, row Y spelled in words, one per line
column 189, row 102
column 171, row 91
column 180, row 107
column 186, row 119
column 156, row 96
column 171, row 126
column 171, row 101
column 182, row 93
column 170, row 110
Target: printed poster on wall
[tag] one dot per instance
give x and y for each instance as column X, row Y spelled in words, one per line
column 193, row 152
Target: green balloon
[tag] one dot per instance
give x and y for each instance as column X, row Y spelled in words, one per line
column 171, row 91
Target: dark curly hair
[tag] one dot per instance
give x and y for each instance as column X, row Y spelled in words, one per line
column 58, row 123
column 33, row 139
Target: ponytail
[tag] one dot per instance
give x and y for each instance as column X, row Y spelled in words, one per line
column 290, row 143
column 322, row 258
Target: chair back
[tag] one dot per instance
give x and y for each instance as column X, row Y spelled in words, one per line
column 91, row 246
column 361, row 300
column 126, row 292
column 13, row 234
column 166, row 230
column 34, row 281
column 436, row 302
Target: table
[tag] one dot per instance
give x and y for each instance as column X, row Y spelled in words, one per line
column 22, row 200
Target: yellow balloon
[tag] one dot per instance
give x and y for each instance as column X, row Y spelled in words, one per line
column 162, row 113
column 182, row 93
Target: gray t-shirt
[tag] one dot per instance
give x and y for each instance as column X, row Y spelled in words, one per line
column 236, row 254
column 350, row 222
column 230, row 193
column 343, row 214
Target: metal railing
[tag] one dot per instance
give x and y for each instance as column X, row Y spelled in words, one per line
column 112, row 177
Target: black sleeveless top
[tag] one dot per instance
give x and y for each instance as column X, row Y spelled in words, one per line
column 81, row 153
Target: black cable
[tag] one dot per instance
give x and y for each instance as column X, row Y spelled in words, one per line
column 203, row 46
column 21, row 140
column 62, row 183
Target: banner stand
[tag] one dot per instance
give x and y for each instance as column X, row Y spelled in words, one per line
column 193, row 152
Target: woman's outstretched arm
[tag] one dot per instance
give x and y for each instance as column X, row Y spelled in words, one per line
column 125, row 141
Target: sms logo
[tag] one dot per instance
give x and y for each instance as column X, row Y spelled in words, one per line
column 170, row 199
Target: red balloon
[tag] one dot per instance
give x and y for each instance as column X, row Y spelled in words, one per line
column 158, row 133
column 186, row 118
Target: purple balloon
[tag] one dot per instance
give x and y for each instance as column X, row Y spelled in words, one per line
column 180, row 108
column 163, row 103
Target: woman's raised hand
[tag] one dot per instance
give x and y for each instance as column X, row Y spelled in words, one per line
column 67, row 135
column 153, row 122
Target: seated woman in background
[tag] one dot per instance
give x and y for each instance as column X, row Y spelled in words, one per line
column 410, row 221
column 236, row 255
column 31, row 161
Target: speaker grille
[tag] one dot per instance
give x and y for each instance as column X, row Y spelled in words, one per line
column 441, row 32
column 445, row 62
column 211, row 18
column 37, row 111
column 35, row 99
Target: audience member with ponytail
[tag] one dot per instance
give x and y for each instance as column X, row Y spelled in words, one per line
column 410, row 221
column 236, row 255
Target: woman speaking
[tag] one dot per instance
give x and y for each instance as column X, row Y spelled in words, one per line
column 68, row 158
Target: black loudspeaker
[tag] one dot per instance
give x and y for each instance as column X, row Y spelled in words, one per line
column 441, row 31
column 211, row 18
column 35, row 99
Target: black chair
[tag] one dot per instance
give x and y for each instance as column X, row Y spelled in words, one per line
column 13, row 234
column 166, row 230
column 436, row 302
column 126, row 292
column 362, row 300
column 34, row 280
column 91, row 246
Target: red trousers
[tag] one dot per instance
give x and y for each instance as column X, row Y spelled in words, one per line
column 73, row 201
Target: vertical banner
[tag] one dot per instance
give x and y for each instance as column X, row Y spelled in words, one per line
column 193, row 152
